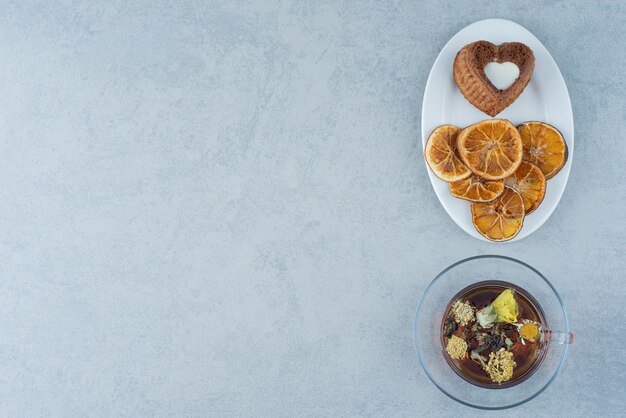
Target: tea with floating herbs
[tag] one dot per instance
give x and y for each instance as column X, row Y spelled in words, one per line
column 492, row 334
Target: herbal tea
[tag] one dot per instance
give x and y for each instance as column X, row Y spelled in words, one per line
column 492, row 334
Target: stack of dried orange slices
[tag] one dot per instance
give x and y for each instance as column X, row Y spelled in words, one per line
column 501, row 169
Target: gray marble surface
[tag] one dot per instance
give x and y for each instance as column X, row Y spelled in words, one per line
column 221, row 208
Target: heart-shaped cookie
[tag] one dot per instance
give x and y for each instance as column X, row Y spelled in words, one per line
column 470, row 77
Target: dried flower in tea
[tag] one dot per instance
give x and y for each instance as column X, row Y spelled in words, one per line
column 456, row 348
column 500, row 366
column 463, row 312
column 506, row 307
column 529, row 331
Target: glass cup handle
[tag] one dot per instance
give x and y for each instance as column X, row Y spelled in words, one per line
column 558, row 337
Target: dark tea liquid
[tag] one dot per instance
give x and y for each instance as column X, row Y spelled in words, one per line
column 528, row 357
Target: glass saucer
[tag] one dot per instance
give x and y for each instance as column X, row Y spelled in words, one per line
column 430, row 311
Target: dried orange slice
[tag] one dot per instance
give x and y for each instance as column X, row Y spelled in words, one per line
column 492, row 148
column 502, row 218
column 476, row 189
column 530, row 183
column 441, row 154
column 544, row 146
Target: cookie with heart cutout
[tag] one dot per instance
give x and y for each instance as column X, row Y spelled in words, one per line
column 474, row 59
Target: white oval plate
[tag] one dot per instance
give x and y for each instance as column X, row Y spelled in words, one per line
column 545, row 99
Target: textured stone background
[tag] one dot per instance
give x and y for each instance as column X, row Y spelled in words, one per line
column 221, row 209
